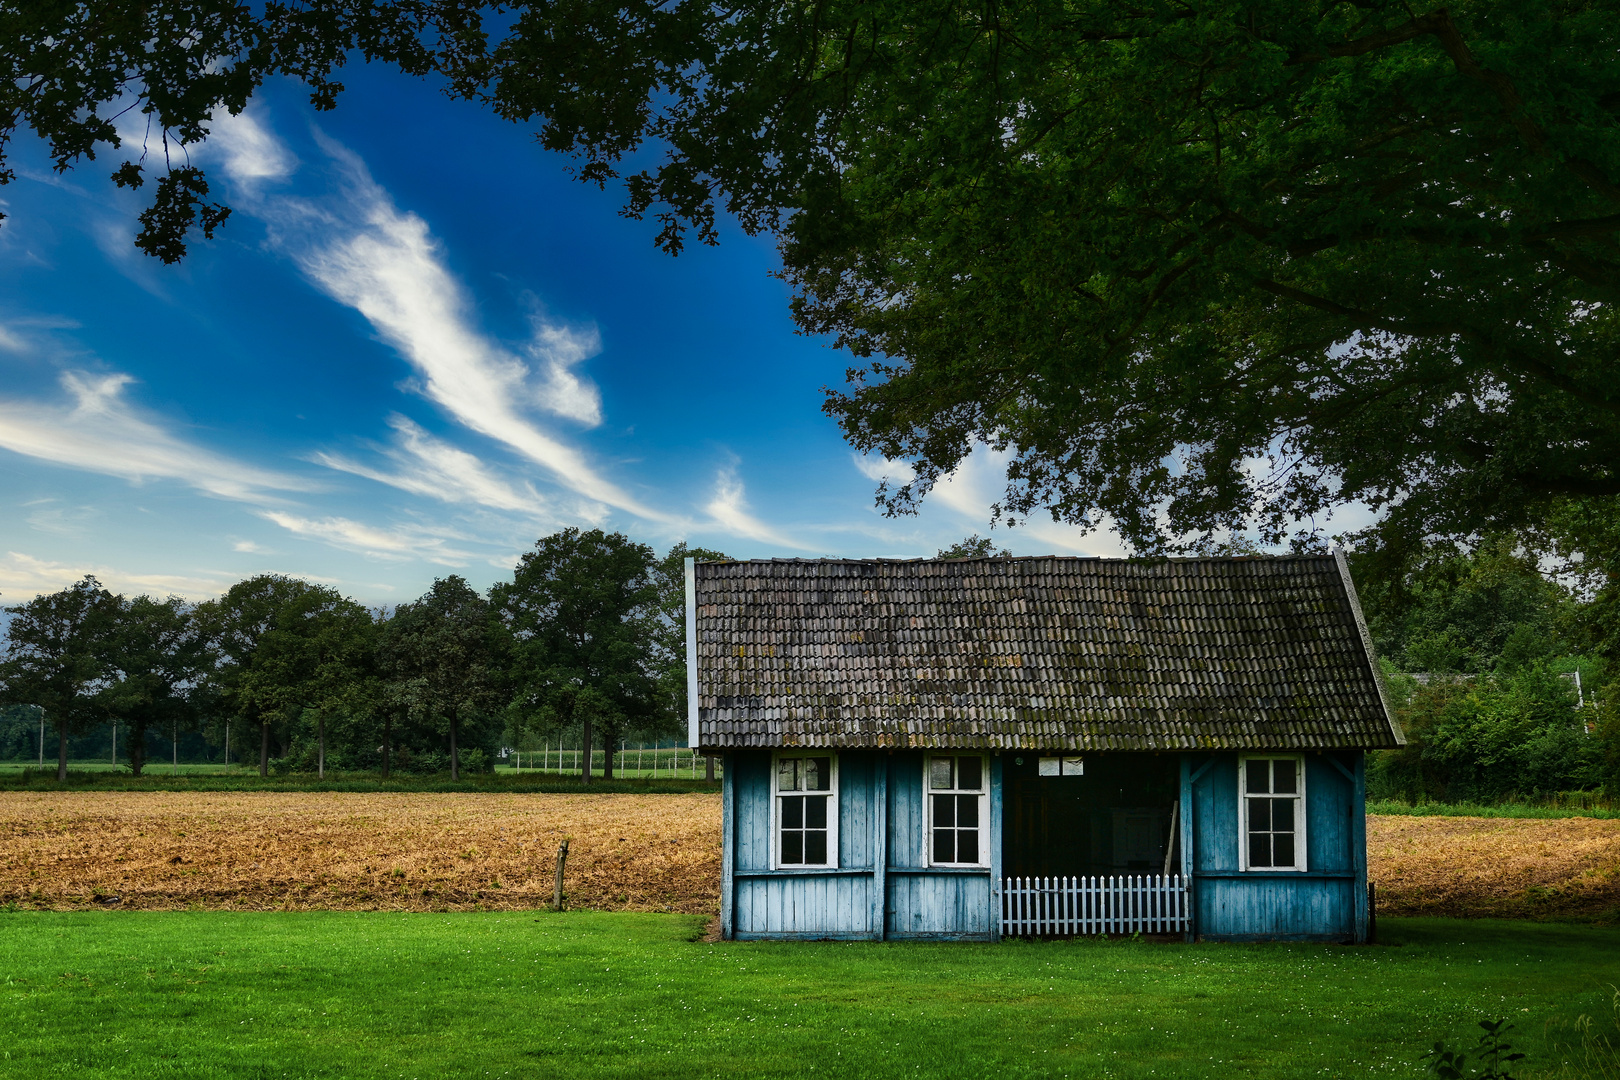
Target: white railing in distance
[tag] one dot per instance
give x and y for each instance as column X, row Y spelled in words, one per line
column 1113, row 904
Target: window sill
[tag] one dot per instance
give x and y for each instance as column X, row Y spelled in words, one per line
column 938, row 870
column 804, row 870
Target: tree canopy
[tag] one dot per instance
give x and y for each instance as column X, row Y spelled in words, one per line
column 56, row 658
column 1195, row 268
column 582, row 609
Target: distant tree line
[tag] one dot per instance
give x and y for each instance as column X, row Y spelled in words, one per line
column 585, row 641
column 1503, row 668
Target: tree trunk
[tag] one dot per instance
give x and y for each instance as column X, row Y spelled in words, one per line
column 585, row 759
column 135, row 747
column 455, row 763
column 61, row 754
column 388, row 742
column 320, row 745
column 264, row 748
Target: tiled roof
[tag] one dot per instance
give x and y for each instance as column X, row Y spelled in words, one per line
column 1083, row 654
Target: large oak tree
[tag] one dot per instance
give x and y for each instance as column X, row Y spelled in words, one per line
column 1194, row 266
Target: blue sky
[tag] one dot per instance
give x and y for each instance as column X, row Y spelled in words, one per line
column 415, row 347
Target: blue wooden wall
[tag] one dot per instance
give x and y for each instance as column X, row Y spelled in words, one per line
column 1325, row 902
column 882, row 888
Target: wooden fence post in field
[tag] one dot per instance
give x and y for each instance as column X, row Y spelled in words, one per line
column 562, row 859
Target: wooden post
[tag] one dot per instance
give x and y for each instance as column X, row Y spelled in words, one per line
column 1187, row 845
column 880, row 843
column 728, row 844
column 1170, row 845
column 558, row 898
column 1358, row 841
column 996, row 860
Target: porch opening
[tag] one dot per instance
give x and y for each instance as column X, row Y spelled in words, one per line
column 1090, row 815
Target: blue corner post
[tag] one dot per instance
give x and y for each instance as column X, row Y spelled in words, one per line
column 996, row 834
column 880, row 845
column 1187, row 830
column 728, row 844
column 1358, row 840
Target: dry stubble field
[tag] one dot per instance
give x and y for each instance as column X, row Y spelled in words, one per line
column 631, row 852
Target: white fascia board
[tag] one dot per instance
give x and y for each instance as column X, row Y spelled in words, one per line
column 691, row 654
column 1367, row 645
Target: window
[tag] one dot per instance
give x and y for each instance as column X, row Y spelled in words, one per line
column 956, row 808
column 806, row 793
column 1271, row 805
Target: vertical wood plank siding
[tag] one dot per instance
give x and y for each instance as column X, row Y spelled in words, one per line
column 882, row 867
column 1318, row 904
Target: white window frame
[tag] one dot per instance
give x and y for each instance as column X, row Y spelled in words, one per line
column 832, row 812
column 984, row 808
column 1300, row 845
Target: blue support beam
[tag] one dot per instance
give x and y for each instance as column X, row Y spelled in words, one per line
column 728, row 845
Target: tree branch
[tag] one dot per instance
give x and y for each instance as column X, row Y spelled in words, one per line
column 1439, row 24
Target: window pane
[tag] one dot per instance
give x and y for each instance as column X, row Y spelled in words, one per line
column 793, row 847
column 815, row 811
column 793, row 812
column 1282, row 815
column 1260, row 849
column 1282, row 847
column 817, row 774
column 944, row 811
column 787, row 774
column 939, row 773
column 944, row 845
column 815, row 848
column 967, row 845
column 1286, row 780
column 1259, row 815
column 967, row 811
column 969, row 774
column 1258, row 781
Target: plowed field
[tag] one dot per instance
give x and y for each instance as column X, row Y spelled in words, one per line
column 422, row 852
column 1496, row 867
column 427, row 852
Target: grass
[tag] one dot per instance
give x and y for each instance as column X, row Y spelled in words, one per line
column 215, row 778
column 1490, row 810
column 203, row 995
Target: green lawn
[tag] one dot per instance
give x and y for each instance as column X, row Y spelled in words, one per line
column 208, row 994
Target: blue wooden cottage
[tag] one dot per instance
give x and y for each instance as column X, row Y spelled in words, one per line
column 975, row 748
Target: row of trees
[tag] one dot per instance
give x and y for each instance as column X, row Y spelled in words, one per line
column 585, row 638
column 1502, row 672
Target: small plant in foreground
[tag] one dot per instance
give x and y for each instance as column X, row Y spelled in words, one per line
column 1495, row 1055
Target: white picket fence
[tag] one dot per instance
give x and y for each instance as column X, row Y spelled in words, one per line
column 1115, row 904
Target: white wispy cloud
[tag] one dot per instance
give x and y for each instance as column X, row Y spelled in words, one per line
column 980, row 481
column 251, row 151
column 879, row 469
column 97, row 429
column 23, row 577
column 729, row 510
column 406, row 542
column 367, row 254
column 430, row 466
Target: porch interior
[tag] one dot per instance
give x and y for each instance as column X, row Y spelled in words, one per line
column 1112, row 817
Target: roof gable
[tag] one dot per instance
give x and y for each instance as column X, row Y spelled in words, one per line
column 1028, row 653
